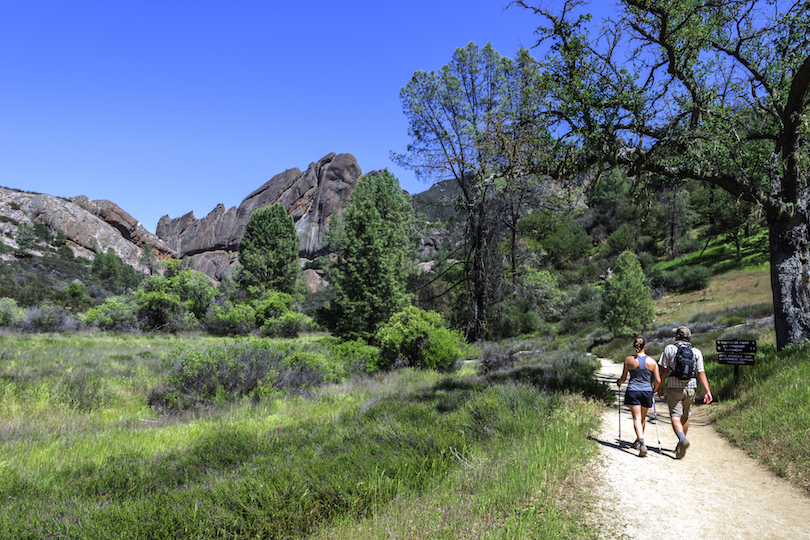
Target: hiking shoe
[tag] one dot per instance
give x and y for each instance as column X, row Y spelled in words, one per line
column 642, row 450
column 636, row 444
column 680, row 450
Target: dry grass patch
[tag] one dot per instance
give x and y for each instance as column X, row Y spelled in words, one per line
column 724, row 291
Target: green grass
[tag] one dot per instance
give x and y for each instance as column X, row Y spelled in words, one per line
column 83, row 456
column 768, row 412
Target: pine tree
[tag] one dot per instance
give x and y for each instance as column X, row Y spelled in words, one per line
column 628, row 306
column 268, row 251
column 374, row 244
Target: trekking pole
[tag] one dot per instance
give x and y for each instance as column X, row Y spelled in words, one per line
column 619, row 406
column 655, row 414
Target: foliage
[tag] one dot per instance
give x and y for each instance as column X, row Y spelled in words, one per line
column 356, row 355
column 255, row 369
column 231, row 319
column 177, row 300
column 583, row 310
column 558, row 234
column 158, row 308
column 48, row 318
column 478, row 121
column 119, row 277
column 115, row 313
column 374, row 248
column 268, row 251
column 10, row 313
column 26, row 240
column 769, row 417
column 566, row 371
column 191, row 286
column 627, row 305
column 418, row 338
column 622, row 239
column 717, row 95
column 275, row 467
column 682, row 278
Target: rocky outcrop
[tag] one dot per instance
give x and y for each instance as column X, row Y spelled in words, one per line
column 86, row 233
column 311, row 197
column 129, row 227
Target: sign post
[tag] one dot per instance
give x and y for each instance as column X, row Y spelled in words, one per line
column 737, row 352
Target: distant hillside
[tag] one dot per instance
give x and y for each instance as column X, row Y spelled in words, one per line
column 437, row 202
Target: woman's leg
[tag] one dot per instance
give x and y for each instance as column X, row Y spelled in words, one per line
column 638, row 420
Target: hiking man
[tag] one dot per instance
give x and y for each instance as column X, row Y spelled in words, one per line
column 681, row 365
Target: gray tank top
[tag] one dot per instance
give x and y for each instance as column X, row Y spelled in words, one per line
column 640, row 377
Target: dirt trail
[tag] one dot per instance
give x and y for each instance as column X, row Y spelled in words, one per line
column 721, row 493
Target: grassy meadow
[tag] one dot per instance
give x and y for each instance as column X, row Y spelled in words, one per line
column 492, row 450
column 409, row 454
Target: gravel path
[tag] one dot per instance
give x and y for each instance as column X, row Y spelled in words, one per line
column 716, row 492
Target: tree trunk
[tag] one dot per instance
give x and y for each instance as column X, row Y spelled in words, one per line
column 790, row 276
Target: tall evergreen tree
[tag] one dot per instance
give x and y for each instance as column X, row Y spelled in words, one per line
column 268, row 251
column 628, row 306
column 374, row 245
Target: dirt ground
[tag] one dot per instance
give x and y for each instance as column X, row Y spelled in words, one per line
column 716, row 491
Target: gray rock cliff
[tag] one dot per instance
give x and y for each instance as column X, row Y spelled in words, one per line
column 87, row 233
column 311, row 197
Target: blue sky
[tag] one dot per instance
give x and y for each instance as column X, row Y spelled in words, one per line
column 169, row 106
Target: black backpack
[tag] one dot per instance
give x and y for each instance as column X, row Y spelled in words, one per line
column 684, row 362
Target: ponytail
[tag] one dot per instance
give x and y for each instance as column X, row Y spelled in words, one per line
column 638, row 345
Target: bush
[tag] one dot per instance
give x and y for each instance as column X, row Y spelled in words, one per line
column 49, row 318
column 420, row 339
column 567, row 372
column 622, row 239
column 357, row 354
column 157, row 309
column 683, row 279
column 583, row 311
column 253, row 369
column 10, row 313
column 115, row 313
column 287, row 325
column 231, row 319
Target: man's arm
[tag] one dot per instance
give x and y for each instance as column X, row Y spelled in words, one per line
column 705, row 382
column 664, row 373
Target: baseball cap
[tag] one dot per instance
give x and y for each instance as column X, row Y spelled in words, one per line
column 682, row 331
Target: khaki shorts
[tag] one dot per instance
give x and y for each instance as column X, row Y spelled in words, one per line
column 680, row 401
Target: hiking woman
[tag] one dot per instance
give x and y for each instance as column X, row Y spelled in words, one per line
column 639, row 396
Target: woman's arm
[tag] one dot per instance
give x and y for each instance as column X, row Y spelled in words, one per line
column 624, row 372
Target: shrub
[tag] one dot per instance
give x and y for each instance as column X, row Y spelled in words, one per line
column 231, row 319
column 287, row 325
column 583, row 311
column 48, row 318
column 115, row 313
column 357, row 354
column 622, row 239
column 420, row 339
column 566, row 372
column 252, row 369
column 10, row 313
column 683, row 278
column 272, row 305
column 157, row 309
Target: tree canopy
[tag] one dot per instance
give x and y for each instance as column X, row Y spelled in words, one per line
column 268, row 251
column 710, row 91
column 374, row 245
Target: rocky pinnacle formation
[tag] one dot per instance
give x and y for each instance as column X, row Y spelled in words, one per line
column 311, row 197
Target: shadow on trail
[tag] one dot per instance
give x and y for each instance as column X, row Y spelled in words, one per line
column 625, row 447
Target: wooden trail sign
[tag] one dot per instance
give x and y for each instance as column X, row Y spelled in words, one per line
column 737, row 352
